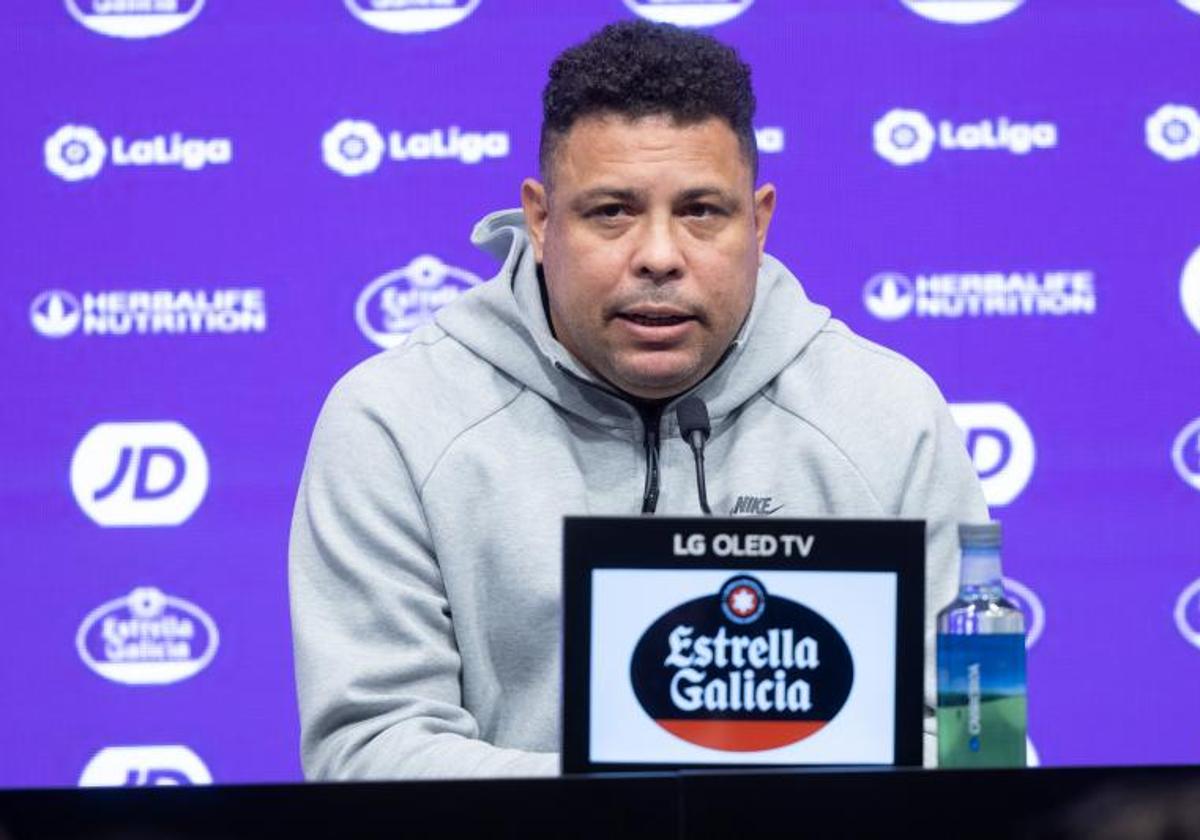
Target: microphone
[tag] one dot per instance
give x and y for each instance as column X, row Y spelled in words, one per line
column 694, row 427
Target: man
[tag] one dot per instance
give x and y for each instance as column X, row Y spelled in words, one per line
column 426, row 545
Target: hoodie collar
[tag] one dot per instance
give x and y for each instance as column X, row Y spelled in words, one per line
column 504, row 322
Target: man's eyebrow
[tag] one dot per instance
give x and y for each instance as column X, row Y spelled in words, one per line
column 727, row 197
column 613, row 193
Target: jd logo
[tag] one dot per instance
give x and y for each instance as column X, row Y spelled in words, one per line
column 148, row 766
column 139, row 474
column 1001, row 447
column 753, row 506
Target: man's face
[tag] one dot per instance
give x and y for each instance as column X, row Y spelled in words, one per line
column 650, row 235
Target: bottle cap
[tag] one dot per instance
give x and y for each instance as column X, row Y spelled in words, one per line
column 979, row 534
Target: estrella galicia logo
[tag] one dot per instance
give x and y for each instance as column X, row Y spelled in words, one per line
column 394, row 305
column 1173, row 132
column 1185, row 454
column 75, row 152
column 1031, row 608
column 905, row 137
column 147, row 638
column 743, row 600
column 1001, row 448
column 1189, row 289
column 889, row 296
column 742, row 670
column 408, row 16
column 134, row 18
column 159, row 765
column 1187, row 613
column 55, row 313
column 139, row 474
column 963, row 11
column 689, row 12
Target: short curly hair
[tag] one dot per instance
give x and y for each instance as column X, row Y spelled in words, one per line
column 638, row 69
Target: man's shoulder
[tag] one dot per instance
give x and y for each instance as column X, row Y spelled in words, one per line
column 423, row 393
column 852, row 386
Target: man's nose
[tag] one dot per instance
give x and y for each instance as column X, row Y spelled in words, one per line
column 658, row 256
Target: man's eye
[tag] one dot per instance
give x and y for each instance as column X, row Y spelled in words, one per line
column 608, row 211
column 703, row 211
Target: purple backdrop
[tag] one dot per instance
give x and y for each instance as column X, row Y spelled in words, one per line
column 211, row 210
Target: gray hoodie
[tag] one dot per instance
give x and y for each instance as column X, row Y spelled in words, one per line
column 425, row 557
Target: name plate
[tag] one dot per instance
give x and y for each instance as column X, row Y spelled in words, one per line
column 691, row 643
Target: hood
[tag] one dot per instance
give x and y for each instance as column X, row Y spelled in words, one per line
column 503, row 321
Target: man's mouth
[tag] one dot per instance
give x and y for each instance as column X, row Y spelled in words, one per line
column 653, row 317
column 655, row 320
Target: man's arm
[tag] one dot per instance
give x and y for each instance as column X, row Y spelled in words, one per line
column 377, row 668
column 944, row 490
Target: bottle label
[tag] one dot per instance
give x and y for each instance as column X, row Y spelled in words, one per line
column 981, row 700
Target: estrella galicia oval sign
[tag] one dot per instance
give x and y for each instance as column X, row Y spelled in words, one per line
column 742, row 670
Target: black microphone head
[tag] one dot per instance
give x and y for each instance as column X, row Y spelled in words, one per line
column 693, row 417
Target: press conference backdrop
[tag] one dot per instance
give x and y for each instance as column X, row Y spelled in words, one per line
column 212, row 209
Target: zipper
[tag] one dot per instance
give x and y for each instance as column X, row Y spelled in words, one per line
column 652, row 420
column 651, row 439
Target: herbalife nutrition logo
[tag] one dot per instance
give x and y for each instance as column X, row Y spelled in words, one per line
column 78, row 152
column 57, row 313
column 905, row 137
column 1173, row 132
column 357, row 147
column 890, row 296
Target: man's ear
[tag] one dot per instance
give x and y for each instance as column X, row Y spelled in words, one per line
column 764, row 208
column 534, row 201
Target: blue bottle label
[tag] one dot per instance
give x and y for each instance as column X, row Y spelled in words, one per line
column 981, row 700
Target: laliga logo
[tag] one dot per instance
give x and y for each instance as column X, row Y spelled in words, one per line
column 55, row 314
column 742, row 671
column 905, row 137
column 139, row 474
column 1185, row 453
column 356, row 147
column 134, row 18
column 1173, row 132
column 685, row 13
column 1187, row 613
column 352, row 147
column 1031, row 607
column 150, row 766
column 889, row 296
column 147, row 638
column 411, row 15
column 394, row 305
column 1189, row 289
column 1001, row 447
column 77, row 152
column 963, row 11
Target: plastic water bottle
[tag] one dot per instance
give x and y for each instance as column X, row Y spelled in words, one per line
column 981, row 662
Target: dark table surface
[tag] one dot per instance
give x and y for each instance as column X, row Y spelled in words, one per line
column 1134, row 802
